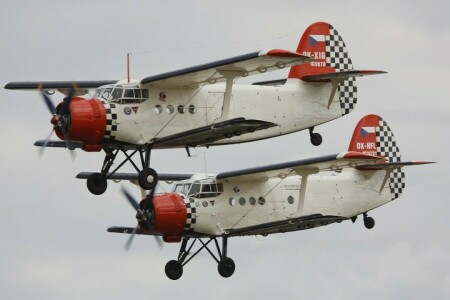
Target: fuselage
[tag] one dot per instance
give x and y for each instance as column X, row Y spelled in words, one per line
column 158, row 112
column 231, row 205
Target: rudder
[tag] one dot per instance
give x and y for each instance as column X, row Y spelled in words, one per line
column 324, row 44
column 373, row 136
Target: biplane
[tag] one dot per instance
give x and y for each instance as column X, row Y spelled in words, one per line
column 282, row 197
column 202, row 105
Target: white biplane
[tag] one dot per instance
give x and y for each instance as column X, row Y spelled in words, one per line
column 283, row 197
column 192, row 107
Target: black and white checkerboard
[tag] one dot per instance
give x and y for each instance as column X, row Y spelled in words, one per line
column 190, row 218
column 111, row 116
column 387, row 147
column 337, row 57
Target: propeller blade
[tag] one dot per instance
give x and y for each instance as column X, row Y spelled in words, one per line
column 130, row 199
column 130, row 239
column 48, row 101
column 42, row 148
column 149, row 202
column 65, row 107
column 159, row 241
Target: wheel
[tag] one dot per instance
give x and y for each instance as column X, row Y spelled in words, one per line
column 148, row 178
column 174, row 270
column 226, row 267
column 369, row 222
column 316, row 139
column 96, row 183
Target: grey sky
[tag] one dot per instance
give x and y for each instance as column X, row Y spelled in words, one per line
column 54, row 242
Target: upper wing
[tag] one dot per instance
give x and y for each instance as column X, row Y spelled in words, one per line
column 81, row 87
column 243, row 65
column 208, row 134
column 299, row 167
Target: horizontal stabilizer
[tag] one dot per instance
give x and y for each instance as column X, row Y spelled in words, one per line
column 134, row 176
column 341, row 75
column 394, row 165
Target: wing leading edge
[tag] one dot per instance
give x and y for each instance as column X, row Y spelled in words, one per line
column 241, row 66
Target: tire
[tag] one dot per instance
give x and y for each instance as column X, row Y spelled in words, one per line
column 369, row 222
column 226, row 267
column 316, row 139
column 174, row 270
column 96, row 184
column 144, row 178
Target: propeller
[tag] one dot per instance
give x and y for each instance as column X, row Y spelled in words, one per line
column 60, row 119
column 144, row 215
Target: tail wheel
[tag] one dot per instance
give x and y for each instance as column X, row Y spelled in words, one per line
column 316, row 139
column 226, row 267
column 96, row 183
column 148, row 178
column 174, row 269
column 369, row 222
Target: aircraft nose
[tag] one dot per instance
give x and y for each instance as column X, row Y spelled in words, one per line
column 87, row 123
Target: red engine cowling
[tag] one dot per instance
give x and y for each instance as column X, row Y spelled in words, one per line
column 170, row 216
column 87, row 123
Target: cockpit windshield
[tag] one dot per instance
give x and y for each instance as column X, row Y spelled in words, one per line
column 122, row 93
column 199, row 189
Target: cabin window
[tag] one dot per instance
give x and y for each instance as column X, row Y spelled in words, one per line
column 181, row 109
column 242, row 201
column 170, row 109
column 232, row 201
column 290, row 200
column 192, row 109
column 261, row 200
column 252, row 201
column 158, row 109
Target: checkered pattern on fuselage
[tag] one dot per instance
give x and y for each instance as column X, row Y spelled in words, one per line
column 191, row 210
column 337, row 57
column 387, row 147
column 111, row 116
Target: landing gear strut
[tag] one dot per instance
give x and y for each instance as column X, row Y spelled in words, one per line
column 369, row 222
column 315, row 138
column 225, row 265
column 147, row 177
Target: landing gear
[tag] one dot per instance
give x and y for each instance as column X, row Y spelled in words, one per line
column 96, row 184
column 369, row 222
column 315, row 138
column 174, row 269
column 147, row 177
column 225, row 265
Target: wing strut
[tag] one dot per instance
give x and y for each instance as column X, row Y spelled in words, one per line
column 304, row 173
column 230, row 76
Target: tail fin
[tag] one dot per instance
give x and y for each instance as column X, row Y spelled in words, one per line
column 324, row 44
column 373, row 136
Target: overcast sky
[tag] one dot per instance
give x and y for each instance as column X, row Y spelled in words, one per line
column 54, row 243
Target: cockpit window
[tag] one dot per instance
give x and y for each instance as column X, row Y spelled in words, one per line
column 106, row 93
column 116, row 94
column 124, row 93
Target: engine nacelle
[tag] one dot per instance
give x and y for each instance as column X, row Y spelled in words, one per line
column 170, row 216
column 87, row 123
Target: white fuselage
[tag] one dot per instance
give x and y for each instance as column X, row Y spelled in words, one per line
column 346, row 194
column 293, row 106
